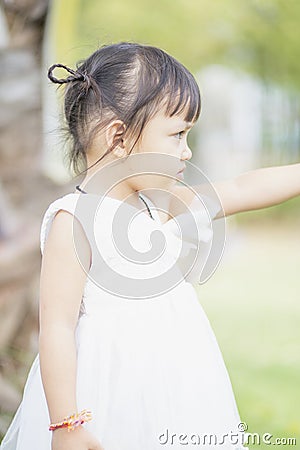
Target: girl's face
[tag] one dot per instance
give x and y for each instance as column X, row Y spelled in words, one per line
column 166, row 135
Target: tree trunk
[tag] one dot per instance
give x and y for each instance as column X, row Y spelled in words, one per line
column 25, row 192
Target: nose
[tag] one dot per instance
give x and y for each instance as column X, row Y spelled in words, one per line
column 187, row 153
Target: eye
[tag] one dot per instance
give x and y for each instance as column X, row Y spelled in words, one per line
column 180, row 134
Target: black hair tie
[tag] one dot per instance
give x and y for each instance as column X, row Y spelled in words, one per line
column 75, row 76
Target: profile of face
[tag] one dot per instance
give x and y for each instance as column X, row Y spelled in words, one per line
column 162, row 135
column 165, row 135
column 155, row 161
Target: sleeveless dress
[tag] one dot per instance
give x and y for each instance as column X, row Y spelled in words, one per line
column 148, row 368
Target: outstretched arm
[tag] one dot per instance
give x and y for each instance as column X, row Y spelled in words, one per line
column 251, row 190
column 259, row 188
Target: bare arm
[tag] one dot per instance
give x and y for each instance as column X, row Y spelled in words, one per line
column 61, row 285
column 259, row 188
column 249, row 191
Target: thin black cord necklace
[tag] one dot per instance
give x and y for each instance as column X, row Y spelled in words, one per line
column 146, row 207
column 84, row 192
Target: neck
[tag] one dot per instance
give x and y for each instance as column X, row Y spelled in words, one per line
column 124, row 191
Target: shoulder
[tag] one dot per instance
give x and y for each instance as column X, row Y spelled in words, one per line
column 66, row 241
column 194, row 197
column 181, row 198
column 65, row 201
column 62, row 230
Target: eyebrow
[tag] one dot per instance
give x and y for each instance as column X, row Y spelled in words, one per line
column 187, row 125
column 183, row 124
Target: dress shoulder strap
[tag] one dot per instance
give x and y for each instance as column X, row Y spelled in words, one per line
column 81, row 210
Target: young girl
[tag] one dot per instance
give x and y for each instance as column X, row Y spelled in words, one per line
column 127, row 358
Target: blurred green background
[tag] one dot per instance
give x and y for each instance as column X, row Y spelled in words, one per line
column 252, row 300
column 260, row 36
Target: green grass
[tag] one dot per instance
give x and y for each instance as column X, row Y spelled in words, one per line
column 253, row 304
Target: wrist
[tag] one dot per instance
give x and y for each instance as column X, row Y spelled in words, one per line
column 73, row 421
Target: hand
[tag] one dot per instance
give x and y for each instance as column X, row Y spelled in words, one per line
column 77, row 439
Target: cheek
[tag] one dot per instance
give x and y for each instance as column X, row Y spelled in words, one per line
column 148, row 144
column 159, row 144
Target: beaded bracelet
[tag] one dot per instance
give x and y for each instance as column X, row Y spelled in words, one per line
column 73, row 421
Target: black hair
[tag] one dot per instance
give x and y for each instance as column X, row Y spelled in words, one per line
column 125, row 81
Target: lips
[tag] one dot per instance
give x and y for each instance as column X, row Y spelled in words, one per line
column 181, row 170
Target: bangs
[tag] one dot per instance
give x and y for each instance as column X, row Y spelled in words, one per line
column 183, row 96
column 162, row 80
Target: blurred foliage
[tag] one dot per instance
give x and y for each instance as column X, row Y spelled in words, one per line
column 260, row 37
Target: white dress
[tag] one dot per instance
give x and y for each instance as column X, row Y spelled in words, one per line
column 149, row 368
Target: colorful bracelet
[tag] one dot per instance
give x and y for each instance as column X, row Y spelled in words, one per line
column 73, row 421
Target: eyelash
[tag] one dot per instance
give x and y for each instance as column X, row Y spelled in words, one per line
column 180, row 134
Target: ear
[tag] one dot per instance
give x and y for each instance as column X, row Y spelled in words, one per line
column 114, row 137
